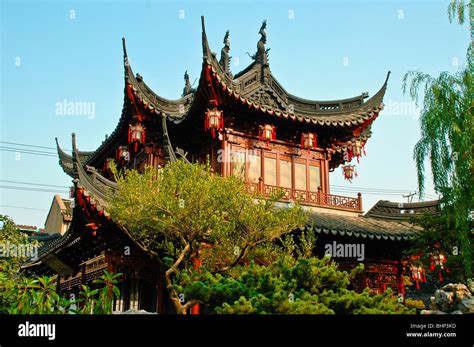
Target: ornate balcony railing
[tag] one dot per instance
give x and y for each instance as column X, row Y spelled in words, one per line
column 309, row 197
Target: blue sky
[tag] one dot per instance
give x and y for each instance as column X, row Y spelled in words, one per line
column 57, row 50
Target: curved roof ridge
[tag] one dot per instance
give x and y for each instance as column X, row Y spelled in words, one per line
column 154, row 102
column 341, row 116
column 97, row 185
column 66, row 160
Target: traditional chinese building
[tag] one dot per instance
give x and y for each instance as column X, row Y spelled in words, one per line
column 245, row 124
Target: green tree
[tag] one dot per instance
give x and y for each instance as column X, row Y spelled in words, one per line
column 38, row 296
column 182, row 213
column 20, row 294
column 447, row 141
column 287, row 286
column 108, row 292
column 87, row 300
column 11, row 239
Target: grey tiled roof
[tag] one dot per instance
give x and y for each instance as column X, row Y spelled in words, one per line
column 361, row 226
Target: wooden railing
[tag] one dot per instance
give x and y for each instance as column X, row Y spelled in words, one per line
column 306, row 197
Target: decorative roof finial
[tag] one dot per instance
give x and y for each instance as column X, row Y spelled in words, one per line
column 225, row 57
column 187, row 86
column 261, row 55
column 205, row 45
column 126, row 62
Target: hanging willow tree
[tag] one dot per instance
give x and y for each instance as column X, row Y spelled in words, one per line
column 447, row 131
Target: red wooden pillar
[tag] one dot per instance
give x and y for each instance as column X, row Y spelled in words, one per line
column 261, row 187
column 225, row 157
column 320, row 196
column 400, row 280
column 110, row 262
column 196, row 265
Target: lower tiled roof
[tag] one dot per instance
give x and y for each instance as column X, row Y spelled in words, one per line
column 361, row 226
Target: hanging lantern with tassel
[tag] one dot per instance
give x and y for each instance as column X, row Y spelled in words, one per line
column 418, row 275
column 356, row 149
column 437, row 262
column 349, row 171
column 309, row 141
column 214, row 118
column 266, row 132
column 136, row 136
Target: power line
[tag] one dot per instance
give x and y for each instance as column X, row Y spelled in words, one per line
column 31, row 189
column 335, row 187
column 368, row 188
column 24, row 208
column 377, row 190
column 378, row 193
column 27, row 145
column 368, row 191
column 365, row 193
column 28, row 152
column 33, row 184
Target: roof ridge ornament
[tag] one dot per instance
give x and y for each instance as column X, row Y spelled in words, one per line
column 187, row 85
column 262, row 54
column 224, row 62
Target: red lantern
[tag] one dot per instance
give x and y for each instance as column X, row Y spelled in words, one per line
column 309, row 141
column 123, row 155
column 349, row 171
column 214, row 119
column 437, row 262
column 357, row 148
column 136, row 135
column 418, row 275
column 267, row 132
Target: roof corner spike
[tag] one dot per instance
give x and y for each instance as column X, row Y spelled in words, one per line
column 74, row 149
column 124, row 46
column 203, row 26
column 388, row 75
column 58, row 147
column 126, row 63
column 205, row 44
